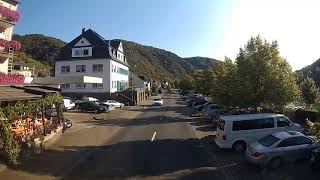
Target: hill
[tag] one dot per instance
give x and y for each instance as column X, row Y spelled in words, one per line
column 201, row 62
column 153, row 62
column 312, row 71
column 40, row 47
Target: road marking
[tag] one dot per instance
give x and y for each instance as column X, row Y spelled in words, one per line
column 154, row 136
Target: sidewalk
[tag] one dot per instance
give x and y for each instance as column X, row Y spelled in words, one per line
column 89, row 132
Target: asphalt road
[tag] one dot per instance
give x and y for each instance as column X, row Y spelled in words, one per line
column 159, row 144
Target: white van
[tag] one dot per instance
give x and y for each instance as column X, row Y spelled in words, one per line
column 236, row 131
column 68, row 104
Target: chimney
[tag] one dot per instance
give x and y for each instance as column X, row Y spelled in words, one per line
column 83, row 30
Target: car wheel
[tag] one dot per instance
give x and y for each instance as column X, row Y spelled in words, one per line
column 274, row 163
column 239, row 146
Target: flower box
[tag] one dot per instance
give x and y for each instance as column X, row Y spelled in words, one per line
column 9, row 15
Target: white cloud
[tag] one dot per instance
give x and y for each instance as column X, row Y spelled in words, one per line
column 294, row 24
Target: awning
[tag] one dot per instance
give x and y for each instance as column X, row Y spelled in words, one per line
column 66, row 80
column 8, row 93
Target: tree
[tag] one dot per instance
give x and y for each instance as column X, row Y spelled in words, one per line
column 200, row 84
column 309, row 91
column 187, row 83
column 224, row 84
column 266, row 79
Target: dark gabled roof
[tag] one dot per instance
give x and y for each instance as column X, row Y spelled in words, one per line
column 115, row 43
column 101, row 47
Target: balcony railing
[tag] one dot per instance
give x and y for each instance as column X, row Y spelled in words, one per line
column 10, row 44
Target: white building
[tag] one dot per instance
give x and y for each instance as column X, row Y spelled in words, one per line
column 91, row 55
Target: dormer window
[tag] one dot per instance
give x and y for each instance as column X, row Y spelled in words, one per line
column 86, row 52
column 82, row 52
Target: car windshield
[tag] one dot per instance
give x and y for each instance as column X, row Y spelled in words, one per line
column 157, row 99
column 268, row 141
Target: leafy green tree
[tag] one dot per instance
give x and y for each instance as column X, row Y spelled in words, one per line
column 266, row 79
column 224, row 84
column 187, row 83
column 309, row 91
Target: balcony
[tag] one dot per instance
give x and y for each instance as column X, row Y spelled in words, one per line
column 10, row 44
column 8, row 17
column 11, row 79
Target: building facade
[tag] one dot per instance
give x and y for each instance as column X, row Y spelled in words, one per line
column 91, row 55
column 9, row 16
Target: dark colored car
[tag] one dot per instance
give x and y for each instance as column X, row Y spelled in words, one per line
column 92, row 107
column 197, row 103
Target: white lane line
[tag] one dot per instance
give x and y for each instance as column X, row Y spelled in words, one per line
column 154, row 136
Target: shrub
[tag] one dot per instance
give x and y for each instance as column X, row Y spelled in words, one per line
column 302, row 114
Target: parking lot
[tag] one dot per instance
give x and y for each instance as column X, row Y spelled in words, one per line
column 235, row 166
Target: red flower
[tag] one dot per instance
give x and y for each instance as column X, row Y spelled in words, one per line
column 13, row 44
column 9, row 14
column 11, row 78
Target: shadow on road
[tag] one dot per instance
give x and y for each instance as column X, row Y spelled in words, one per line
column 139, row 159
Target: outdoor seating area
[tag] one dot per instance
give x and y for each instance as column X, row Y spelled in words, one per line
column 26, row 130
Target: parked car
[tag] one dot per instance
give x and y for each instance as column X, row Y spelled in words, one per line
column 202, row 106
column 211, row 108
column 193, row 100
column 91, row 106
column 90, row 99
column 281, row 147
column 77, row 102
column 197, row 103
column 112, row 103
column 157, row 102
column 68, row 104
column 236, row 131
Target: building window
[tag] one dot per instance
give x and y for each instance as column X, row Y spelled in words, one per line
column 65, row 69
column 97, row 67
column 81, row 68
column 114, row 68
column 80, row 86
column 65, row 86
column 86, row 52
column 77, row 52
column 97, row 86
column 123, row 71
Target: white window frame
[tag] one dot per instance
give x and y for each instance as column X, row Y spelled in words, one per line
column 97, row 67
column 80, row 86
column 81, row 65
column 97, row 85
column 65, row 68
column 65, row 86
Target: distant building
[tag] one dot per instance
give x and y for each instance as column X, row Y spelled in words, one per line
column 91, row 55
column 9, row 16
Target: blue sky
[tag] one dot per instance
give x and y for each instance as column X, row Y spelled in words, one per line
column 211, row 28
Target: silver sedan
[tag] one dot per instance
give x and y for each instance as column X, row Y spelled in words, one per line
column 280, row 147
